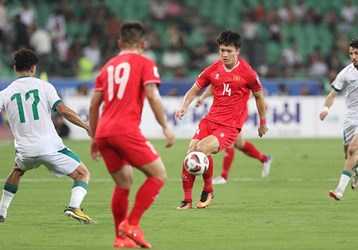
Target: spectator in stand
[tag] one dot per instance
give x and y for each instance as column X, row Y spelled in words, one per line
column 274, row 27
column 158, row 9
column 317, row 68
column 349, row 12
column 27, row 13
column 41, row 43
column 291, row 59
column 3, row 25
column 260, row 11
column 21, row 36
column 92, row 51
column 300, row 10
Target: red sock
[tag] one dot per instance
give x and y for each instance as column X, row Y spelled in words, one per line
column 227, row 161
column 119, row 206
column 145, row 197
column 250, row 150
column 187, row 181
column 208, row 176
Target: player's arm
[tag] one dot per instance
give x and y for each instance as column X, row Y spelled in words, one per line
column 94, row 109
column 156, row 105
column 208, row 92
column 327, row 104
column 188, row 98
column 261, row 109
column 93, row 112
column 72, row 116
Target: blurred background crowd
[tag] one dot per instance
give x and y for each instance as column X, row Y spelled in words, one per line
column 289, row 39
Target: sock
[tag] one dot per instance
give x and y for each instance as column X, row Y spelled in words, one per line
column 187, row 181
column 8, row 194
column 78, row 193
column 227, row 161
column 343, row 182
column 208, row 176
column 119, row 206
column 146, row 195
column 250, row 150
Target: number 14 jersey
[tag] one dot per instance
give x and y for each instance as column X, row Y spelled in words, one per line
column 231, row 91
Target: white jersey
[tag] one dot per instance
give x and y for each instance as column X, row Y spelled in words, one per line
column 28, row 102
column 346, row 82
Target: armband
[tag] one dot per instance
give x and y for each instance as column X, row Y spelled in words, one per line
column 262, row 122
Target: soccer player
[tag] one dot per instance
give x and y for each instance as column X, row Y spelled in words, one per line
column 232, row 81
column 122, row 85
column 27, row 102
column 346, row 83
column 246, row 147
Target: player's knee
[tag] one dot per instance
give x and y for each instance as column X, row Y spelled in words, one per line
column 352, row 150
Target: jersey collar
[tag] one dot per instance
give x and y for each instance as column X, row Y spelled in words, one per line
column 235, row 66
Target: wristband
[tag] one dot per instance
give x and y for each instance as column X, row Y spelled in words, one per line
column 325, row 109
column 262, row 122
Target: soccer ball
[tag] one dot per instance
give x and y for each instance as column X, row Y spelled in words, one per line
column 196, row 163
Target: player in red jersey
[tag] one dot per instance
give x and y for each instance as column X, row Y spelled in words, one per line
column 245, row 146
column 122, row 85
column 232, row 81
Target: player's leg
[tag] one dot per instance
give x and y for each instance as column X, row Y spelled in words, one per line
column 81, row 177
column 349, row 167
column 122, row 174
column 350, row 138
column 10, row 188
column 187, row 181
column 66, row 162
column 250, row 150
column 228, row 158
column 208, row 145
column 346, row 175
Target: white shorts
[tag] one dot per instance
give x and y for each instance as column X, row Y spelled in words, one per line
column 61, row 163
column 350, row 129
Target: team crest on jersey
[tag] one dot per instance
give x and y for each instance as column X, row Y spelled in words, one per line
column 217, row 76
column 222, row 135
column 236, row 78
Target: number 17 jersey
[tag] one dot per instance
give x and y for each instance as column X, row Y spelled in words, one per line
column 28, row 102
column 121, row 81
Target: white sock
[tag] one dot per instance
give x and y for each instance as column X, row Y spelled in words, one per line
column 5, row 202
column 343, row 183
column 77, row 195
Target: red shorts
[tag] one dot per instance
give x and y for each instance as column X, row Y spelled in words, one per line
column 226, row 135
column 132, row 148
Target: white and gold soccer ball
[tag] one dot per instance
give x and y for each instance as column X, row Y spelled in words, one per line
column 196, row 163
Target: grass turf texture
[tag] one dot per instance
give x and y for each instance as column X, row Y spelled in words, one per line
column 289, row 210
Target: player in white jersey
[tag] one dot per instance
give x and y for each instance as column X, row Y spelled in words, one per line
column 28, row 102
column 346, row 83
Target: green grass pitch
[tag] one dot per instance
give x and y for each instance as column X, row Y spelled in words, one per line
column 289, row 210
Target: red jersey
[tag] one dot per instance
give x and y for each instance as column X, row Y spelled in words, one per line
column 231, row 91
column 122, row 80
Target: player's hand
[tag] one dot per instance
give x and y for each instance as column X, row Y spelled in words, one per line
column 180, row 113
column 199, row 102
column 323, row 115
column 94, row 151
column 262, row 130
column 169, row 135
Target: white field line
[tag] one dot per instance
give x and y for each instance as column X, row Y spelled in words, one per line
column 64, row 179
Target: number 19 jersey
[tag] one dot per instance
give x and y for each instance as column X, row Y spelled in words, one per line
column 28, row 102
column 121, row 81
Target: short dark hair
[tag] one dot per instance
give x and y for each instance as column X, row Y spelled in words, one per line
column 354, row 43
column 24, row 59
column 229, row 37
column 132, row 33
